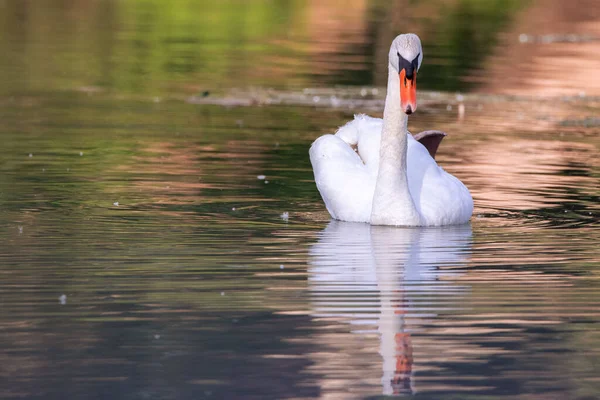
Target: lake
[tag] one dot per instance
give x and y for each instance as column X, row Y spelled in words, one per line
column 161, row 235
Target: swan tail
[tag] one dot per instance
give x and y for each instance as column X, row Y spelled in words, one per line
column 431, row 140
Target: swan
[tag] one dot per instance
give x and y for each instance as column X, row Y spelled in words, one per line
column 392, row 177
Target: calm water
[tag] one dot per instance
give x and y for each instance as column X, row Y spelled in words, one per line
column 143, row 255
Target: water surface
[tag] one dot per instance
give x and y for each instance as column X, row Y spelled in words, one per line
column 157, row 245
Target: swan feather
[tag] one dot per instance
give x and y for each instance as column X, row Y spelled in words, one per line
column 346, row 178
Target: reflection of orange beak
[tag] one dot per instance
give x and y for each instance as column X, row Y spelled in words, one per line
column 408, row 92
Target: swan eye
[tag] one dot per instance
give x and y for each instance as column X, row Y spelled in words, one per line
column 415, row 62
column 409, row 66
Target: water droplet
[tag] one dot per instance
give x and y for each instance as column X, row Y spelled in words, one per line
column 335, row 102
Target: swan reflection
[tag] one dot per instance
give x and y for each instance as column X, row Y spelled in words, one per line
column 381, row 280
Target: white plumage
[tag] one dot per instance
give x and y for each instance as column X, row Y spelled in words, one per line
column 346, row 178
column 374, row 171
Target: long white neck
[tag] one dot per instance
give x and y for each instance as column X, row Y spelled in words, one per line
column 392, row 201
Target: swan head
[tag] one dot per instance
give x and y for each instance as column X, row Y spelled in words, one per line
column 406, row 56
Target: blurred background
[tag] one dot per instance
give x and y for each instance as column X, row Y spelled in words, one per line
column 153, row 47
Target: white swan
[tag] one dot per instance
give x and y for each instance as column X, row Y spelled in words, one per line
column 391, row 178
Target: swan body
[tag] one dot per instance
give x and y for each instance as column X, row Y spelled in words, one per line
column 391, row 178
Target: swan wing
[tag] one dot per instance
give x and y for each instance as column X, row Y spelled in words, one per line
column 343, row 180
column 441, row 198
column 364, row 133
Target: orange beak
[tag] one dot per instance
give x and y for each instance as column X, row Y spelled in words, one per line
column 408, row 92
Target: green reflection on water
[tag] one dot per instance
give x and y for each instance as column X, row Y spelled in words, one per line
column 465, row 36
column 154, row 47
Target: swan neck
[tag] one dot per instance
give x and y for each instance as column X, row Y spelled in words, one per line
column 392, row 201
